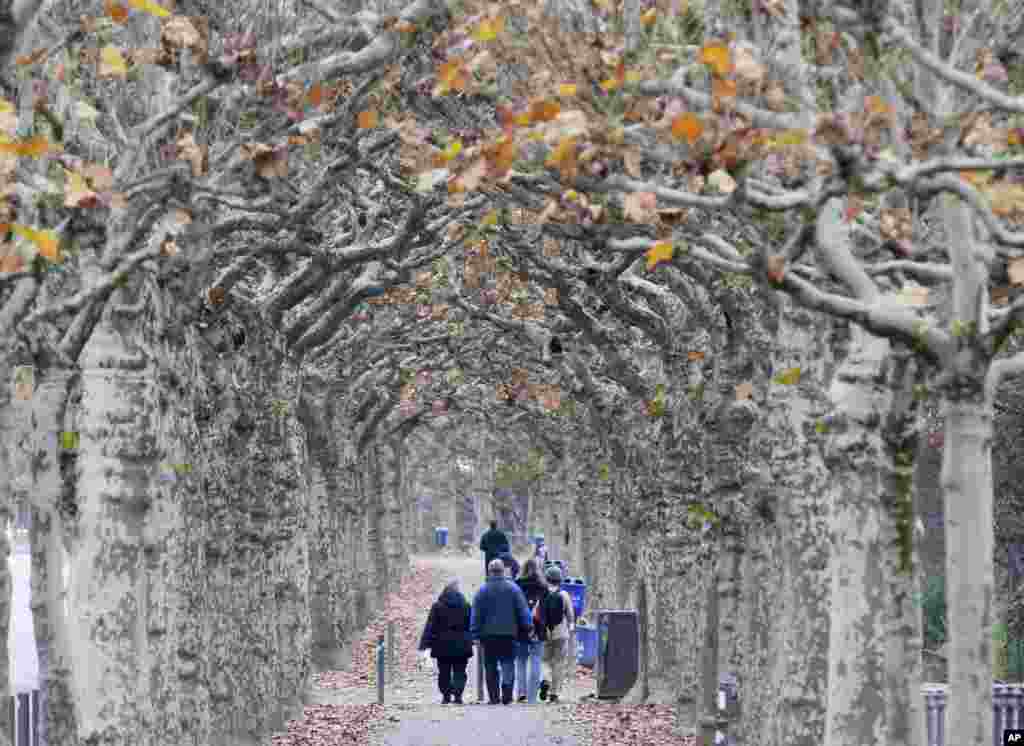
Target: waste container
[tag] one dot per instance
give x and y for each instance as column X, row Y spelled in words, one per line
column 441, row 536
column 618, row 652
column 586, row 644
column 577, row 590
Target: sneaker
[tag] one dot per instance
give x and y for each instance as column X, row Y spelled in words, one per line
column 521, row 699
column 543, row 691
column 458, row 699
column 553, row 699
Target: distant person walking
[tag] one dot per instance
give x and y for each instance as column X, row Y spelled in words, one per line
column 448, row 638
column 532, row 584
column 541, row 553
column 493, row 543
column 560, row 621
column 500, row 618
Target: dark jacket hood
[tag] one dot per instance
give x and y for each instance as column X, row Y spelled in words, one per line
column 455, row 599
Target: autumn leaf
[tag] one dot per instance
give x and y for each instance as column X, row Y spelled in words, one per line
column 660, row 252
column 744, row 391
column 567, row 89
column 150, row 7
column 367, row 119
column 34, row 147
column 639, row 207
column 1015, row 269
column 722, row 181
column 716, row 56
column 45, row 240
column 776, row 268
column 112, row 63
column 77, row 193
column 723, row 88
column 788, row 377
column 687, row 125
column 695, row 356
column 117, row 12
column 854, row 207
column 489, row 29
column 649, row 17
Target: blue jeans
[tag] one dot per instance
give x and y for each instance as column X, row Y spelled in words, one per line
column 528, row 651
column 499, row 665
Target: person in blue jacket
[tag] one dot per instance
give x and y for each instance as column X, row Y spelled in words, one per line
column 447, row 637
column 500, row 619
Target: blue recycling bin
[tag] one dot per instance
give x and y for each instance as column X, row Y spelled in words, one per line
column 441, row 536
column 586, row 645
column 577, row 590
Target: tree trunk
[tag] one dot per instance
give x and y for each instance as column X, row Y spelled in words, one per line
column 857, row 645
column 52, row 527
column 967, row 502
column 108, row 621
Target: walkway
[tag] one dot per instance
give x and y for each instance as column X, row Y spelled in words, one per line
column 343, row 709
column 343, row 703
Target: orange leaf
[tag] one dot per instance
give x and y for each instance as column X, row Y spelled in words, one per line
column 723, row 88
column 649, row 17
column 876, row 105
column 117, row 12
column 717, row 57
column 315, row 95
column 544, row 111
column 367, row 119
column 687, row 125
column 694, row 355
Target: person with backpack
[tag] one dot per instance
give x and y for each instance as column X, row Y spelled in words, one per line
column 532, row 584
column 448, row 638
column 493, row 543
column 559, row 622
column 500, row 618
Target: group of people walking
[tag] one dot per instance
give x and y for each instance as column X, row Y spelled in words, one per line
column 519, row 623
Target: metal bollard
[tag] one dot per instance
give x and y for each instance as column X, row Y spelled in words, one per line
column 391, row 652
column 380, row 670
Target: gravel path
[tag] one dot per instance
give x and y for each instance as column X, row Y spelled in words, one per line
column 412, row 714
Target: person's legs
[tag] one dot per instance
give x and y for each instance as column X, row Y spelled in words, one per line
column 491, row 672
column 522, row 655
column 533, row 680
column 459, row 678
column 508, row 678
column 444, row 676
column 556, row 659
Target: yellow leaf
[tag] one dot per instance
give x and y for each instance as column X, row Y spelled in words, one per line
column 367, row 119
column 453, row 149
column 490, row 218
column 489, row 29
column 567, row 89
column 150, row 7
column 687, row 125
column 112, row 63
column 649, row 17
column 45, row 240
column 788, row 377
column 660, row 252
column 717, row 57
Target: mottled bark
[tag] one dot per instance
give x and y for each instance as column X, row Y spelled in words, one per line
column 856, row 705
column 53, row 524
column 108, row 588
column 799, row 477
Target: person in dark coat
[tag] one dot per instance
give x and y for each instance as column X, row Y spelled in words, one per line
column 493, row 543
column 447, row 636
column 500, row 619
column 532, row 584
column 510, row 563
